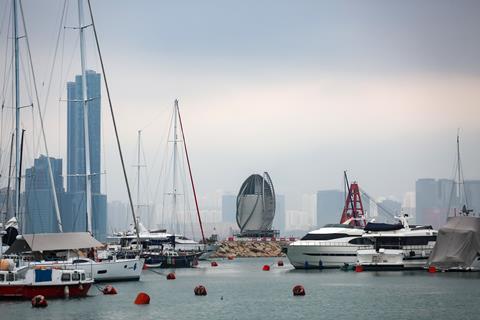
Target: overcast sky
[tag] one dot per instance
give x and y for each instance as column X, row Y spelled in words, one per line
column 301, row 89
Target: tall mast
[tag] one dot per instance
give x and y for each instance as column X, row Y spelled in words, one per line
column 17, row 111
column 88, row 180
column 459, row 192
column 174, row 187
column 138, row 172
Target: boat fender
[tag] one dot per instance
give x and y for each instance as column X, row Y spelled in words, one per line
column 266, row 267
column 298, row 290
column 66, row 291
column 214, row 264
column 142, row 298
column 39, row 301
column 432, row 269
column 280, row 263
column 200, row 290
column 171, row 276
column 109, row 290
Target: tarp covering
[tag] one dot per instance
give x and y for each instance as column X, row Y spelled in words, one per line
column 53, row 242
column 458, row 243
column 382, row 226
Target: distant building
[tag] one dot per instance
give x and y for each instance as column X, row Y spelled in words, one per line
column 74, row 209
column 40, row 215
column 279, row 219
column 298, row 221
column 391, row 206
column 118, row 217
column 472, row 191
column 330, row 205
column 408, row 206
column 229, row 208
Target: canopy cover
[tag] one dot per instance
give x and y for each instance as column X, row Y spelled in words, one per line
column 53, row 242
column 458, row 243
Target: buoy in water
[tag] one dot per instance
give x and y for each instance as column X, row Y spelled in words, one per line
column 145, row 267
column 266, row 267
column 358, row 268
column 39, row 302
column 230, row 257
column 171, row 276
column 280, row 263
column 109, row 290
column 200, row 290
column 298, row 290
column 432, row 269
column 142, row 298
column 214, row 264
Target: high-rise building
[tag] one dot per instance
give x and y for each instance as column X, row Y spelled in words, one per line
column 279, row 219
column 434, row 199
column 74, row 208
column 229, row 208
column 40, row 215
column 472, row 192
column 330, row 205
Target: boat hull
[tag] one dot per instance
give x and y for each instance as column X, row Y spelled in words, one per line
column 181, row 261
column 22, row 291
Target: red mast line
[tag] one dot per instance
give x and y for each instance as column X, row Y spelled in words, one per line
column 191, row 176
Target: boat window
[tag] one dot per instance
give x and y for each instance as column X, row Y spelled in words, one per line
column 338, row 225
column 83, row 276
column 79, row 261
column 10, row 277
column 2, row 277
column 324, row 236
column 76, row 276
column 418, row 240
column 361, row 241
column 101, row 271
column 65, row 276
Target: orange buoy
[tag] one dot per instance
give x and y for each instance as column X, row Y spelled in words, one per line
column 298, row 290
column 214, row 264
column 280, row 263
column 358, row 268
column 142, row 298
column 109, row 290
column 200, row 290
column 171, row 276
column 230, row 257
column 266, row 267
column 432, row 269
column 39, row 302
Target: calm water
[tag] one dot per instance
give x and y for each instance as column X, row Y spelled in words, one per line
column 250, row 293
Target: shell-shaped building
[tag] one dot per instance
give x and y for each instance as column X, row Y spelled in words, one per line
column 256, row 204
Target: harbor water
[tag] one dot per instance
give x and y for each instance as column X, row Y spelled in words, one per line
column 239, row 289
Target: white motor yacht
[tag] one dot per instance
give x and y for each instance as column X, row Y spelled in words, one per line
column 332, row 246
column 396, row 246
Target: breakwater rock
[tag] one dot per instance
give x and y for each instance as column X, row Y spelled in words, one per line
column 249, row 248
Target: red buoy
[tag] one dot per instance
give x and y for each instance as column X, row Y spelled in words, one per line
column 298, row 290
column 358, row 268
column 280, row 263
column 200, row 290
column 171, row 276
column 214, row 264
column 109, row 290
column 266, row 267
column 432, row 269
column 142, row 298
column 39, row 302
column 145, row 267
column 230, row 257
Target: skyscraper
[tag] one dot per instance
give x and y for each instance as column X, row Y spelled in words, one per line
column 330, row 205
column 74, row 208
column 280, row 217
column 40, row 215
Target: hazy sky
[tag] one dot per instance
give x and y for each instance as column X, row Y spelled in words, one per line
column 302, row 89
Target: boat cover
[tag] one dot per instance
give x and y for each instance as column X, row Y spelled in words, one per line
column 458, row 243
column 53, row 242
column 382, row 226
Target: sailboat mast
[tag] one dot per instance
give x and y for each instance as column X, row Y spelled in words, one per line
column 138, row 172
column 88, row 181
column 459, row 192
column 17, row 111
column 174, row 180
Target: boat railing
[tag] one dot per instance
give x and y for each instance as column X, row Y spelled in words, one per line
column 333, row 244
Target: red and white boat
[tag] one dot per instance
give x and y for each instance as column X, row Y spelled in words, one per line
column 29, row 281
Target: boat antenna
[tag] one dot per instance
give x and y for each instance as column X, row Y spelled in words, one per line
column 190, row 172
column 114, row 123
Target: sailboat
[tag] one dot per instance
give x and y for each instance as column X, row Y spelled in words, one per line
column 178, row 251
column 110, row 268
column 29, row 281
